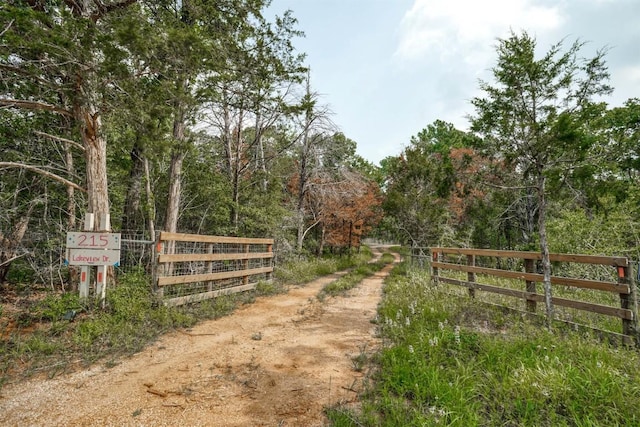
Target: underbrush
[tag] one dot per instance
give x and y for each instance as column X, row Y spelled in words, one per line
column 449, row 361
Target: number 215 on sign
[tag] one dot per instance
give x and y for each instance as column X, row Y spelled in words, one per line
column 85, row 239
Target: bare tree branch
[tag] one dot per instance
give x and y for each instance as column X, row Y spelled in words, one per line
column 61, row 139
column 508, row 187
column 7, row 27
column 34, row 105
column 42, row 172
column 10, row 260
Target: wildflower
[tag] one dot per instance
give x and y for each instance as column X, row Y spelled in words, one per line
column 456, row 334
column 412, row 308
column 410, row 349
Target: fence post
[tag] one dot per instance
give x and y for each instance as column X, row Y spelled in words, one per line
column 471, row 276
column 103, row 270
column 268, row 275
column 530, row 285
column 434, row 270
column 625, row 299
column 245, row 265
column 85, row 270
column 210, row 266
column 413, row 253
column 633, row 283
column 158, row 267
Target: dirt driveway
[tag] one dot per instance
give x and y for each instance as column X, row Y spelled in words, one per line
column 276, row 362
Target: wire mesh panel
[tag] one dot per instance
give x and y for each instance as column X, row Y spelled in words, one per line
column 584, row 287
column 195, row 267
column 136, row 253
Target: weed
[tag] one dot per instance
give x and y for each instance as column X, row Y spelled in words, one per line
column 360, row 360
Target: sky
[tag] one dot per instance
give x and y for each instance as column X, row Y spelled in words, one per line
column 387, row 69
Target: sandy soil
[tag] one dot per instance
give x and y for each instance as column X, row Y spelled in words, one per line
column 277, row 362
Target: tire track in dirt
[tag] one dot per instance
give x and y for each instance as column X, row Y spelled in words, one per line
column 276, row 362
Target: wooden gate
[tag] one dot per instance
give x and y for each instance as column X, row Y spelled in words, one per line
column 193, row 267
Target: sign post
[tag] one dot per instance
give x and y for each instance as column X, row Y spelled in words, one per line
column 88, row 249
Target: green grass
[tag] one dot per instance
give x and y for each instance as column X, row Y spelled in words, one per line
column 447, row 360
column 582, row 317
column 355, row 276
column 296, row 272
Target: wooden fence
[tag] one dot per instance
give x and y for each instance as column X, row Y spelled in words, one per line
column 193, row 267
column 465, row 261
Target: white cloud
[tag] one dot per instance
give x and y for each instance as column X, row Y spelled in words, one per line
column 467, row 28
column 626, row 81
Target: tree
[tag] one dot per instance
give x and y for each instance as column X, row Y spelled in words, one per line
column 351, row 208
column 531, row 117
column 61, row 57
column 426, row 182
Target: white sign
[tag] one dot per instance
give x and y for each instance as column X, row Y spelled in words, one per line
column 89, row 248
column 76, row 256
column 91, row 240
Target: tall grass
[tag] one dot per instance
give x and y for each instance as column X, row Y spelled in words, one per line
column 449, row 361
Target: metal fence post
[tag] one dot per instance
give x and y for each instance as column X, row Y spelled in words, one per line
column 626, row 299
column 434, row 270
column 530, row 285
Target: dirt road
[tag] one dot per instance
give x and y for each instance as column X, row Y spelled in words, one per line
column 276, row 362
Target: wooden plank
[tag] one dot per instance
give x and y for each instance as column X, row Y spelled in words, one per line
column 214, row 257
column 180, row 237
column 622, row 313
column 584, row 259
column 208, row 295
column 489, row 288
column 580, row 305
column 534, row 277
column 175, row 280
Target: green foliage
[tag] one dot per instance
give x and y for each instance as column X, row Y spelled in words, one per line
column 56, row 307
column 422, row 181
column 615, row 233
column 448, row 362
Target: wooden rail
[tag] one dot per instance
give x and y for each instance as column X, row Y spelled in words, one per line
column 466, row 262
column 194, row 267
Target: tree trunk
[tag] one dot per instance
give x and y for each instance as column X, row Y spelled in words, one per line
column 262, row 163
column 132, row 215
column 544, row 246
column 151, row 207
column 235, row 178
column 175, row 171
column 323, row 231
column 96, row 159
column 175, row 186
column 71, row 201
column 304, row 172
